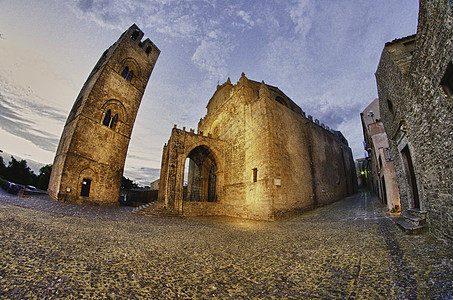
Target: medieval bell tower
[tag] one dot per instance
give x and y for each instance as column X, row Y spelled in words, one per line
column 90, row 158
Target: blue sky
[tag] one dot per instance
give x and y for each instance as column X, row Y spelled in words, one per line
column 321, row 53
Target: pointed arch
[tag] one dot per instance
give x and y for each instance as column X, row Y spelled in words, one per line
column 117, row 107
column 132, row 65
column 114, row 113
column 201, row 182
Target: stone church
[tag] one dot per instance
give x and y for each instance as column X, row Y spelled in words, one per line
column 255, row 155
column 415, row 87
column 89, row 162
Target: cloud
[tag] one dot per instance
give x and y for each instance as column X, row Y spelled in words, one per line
column 211, row 56
column 31, row 98
column 301, row 13
column 29, row 119
column 193, row 25
column 246, row 17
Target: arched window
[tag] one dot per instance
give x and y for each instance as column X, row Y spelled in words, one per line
column 129, row 75
column 148, row 49
column 107, row 118
column 114, row 121
column 125, row 72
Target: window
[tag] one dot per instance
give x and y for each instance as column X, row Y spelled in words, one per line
column 134, row 36
column 148, row 49
column 255, row 174
column 125, row 72
column 86, row 184
column 447, row 80
column 107, row 118
column 387, row 154
column 129, row 75
column 390, row 106
column 280, row 100
column 114, row 120
column 109, row 121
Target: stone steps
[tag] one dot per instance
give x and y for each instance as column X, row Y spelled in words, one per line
column 413, row 221
column 409, row 227
column 154, row 209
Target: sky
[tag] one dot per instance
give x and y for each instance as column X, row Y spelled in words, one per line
column 321, row 53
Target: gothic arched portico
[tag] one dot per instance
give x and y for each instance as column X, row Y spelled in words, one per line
column 205, row 175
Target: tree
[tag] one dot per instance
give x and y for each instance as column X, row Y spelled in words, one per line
column 19, row 172
column 127, row 184
column 2, row 167
column 42, row 181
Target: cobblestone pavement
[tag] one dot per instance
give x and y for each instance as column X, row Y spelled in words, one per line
column 350, row 249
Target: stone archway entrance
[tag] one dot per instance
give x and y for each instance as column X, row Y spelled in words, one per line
column 191, row 178
column 200, row 176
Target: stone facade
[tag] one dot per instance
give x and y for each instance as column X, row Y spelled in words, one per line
column 255, row 155
column 382, row 177
column 415, row 85
column 90, row 158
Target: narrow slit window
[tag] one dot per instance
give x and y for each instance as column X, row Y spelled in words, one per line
column 107, row 118
column 447, row 80
column 130, row 75
column 390, row 106
column 125, row 72
column 114, row 121
column 255, row 174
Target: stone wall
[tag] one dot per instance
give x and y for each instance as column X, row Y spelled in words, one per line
column 416, row 111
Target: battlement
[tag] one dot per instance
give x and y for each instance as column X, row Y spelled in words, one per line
column 135, row 34
column 335, row 133
column 191, row 131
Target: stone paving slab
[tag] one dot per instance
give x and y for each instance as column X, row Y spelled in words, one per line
column 350, row 249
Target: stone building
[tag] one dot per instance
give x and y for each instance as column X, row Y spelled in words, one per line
column 255, row 155
column 415, row 86
column 382, row 176
column 90, row 158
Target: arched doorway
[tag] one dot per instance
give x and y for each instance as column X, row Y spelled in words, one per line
column 200, row 176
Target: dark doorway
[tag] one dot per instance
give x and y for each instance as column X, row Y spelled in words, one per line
column 410, row 175
column 201, row 176
column 86, row 184
column 384, row 190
